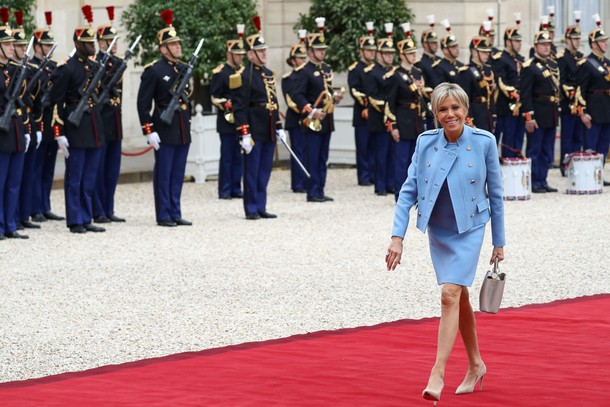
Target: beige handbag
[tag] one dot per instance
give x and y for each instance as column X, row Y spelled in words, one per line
column 492, row 290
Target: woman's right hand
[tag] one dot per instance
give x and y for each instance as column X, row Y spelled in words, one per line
column 394, row 254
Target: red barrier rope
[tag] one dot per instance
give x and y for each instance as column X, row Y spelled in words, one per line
column 146, row 150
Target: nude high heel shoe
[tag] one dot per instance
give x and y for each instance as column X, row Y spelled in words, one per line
column 468, row 387
column 433, row 390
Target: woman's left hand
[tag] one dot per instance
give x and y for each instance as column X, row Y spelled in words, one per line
column 498, row 252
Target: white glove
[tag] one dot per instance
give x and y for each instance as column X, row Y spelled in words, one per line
column 313, row 112
column 154, row 140
column 281, row 134
column 38, row 138
column 28, row 138
column 62, row 142
column 247, row 144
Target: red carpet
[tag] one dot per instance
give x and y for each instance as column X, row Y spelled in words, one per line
column 554, row 354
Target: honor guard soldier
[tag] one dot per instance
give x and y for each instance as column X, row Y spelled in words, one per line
column 315, row 98
column 296, row 60
column 547, row 23
column 487, row 30
column 225, row 79
column 572, row 103
column 258, row 123
column 540, row 99
column 12, row 141
column 377, row 87
column 46, row 153
column 447, row 68
column 109, row 168
column 429, row 41
column 477, row 80
column 170, row 141
column 406, row 110
column 507, row 66
column 365, row 144
column 594, row 80
column 24, row 210
column 80, row 143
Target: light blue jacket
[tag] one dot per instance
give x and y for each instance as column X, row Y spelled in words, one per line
column 475, row 176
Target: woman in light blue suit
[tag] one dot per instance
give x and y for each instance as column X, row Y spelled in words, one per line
column 455, row 180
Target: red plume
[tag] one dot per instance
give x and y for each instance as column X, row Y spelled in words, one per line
column 110, row 10
column 4, row 15
column 257, row 22
column 88, row 13
column 167, row 16
column 19, row 17
column 48, row 15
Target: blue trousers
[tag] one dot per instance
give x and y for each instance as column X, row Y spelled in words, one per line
column 79, row 183
column 257, row 171
column 316, row 157
column 107, row 179
column 27, row 183
column 571, row 134
column 298, row 179
column 11, row 168
column 536, row 150
column 365, row 155
column 404, row 154
column 168, row 178
column 230, row 165
column 44, row 170
column 597, row 138
column 384, row 162
column 513, row 130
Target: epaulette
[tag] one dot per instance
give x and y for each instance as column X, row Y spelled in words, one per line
column 151, row 64
column 561, row 53
column 298, row 68
column 287, row 74
column 416, row 69
column 272, row 72
column 218, row 69
column 11, row 62
column 430, row 132
column 581, row 61
column 463, row 68
column 369, row 68
column 497, row 55
column 353, row 66
column 435, row 63
column 33, row 65
column 527, row 63
column 389, row 74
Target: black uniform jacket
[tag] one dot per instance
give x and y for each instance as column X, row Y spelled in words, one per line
column 355, row 82
column 477, row 81
column 43, row 110
column 13, row 140
column 225, row 79
column 313, row 80
column 377, row 86
column 293, row 116
column 406, row 105
column 571, row 94
column 158, row 79
column 507, row 69
column 540, row 91
column 256, row 104
column 446, row 70
column 111, row 110
column 425, row 65
column 594, row 79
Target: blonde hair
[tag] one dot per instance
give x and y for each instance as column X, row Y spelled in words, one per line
column 445, row 90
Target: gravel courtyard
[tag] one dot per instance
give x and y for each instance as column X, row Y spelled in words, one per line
column 74, row 302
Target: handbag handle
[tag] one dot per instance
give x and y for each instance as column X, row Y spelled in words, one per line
column 495, row 274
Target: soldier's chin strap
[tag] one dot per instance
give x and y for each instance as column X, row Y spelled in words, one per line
column 4, row 53
column 260, row 63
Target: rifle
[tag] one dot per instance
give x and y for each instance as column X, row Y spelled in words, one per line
column 182, row 80
column 45, row 95
column 118, row 74
column 13, row 92
column 76, row 115
column 33, row 82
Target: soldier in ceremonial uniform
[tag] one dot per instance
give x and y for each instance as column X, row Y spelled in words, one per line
column 377, row 88
column 26, row 190
column 225, row 78
column 365, row 144
column 547, row 24
column 507, row 66
column 572, row 102
column 258, row 123
column 477, row 79
column 315, row 98
column 406, row 107
column 429, row 41
column 171, row 142
column 594, row 79
column 80, row 144
column 297, row 60
column 12, row 142
column 46, row 153
column 486, row 29
column 447, row 68
column 109, row 168
column 540, row 99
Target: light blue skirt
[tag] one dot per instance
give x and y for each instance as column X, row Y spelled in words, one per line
column 455, row 256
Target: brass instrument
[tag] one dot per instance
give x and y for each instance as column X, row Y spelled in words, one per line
column 229, row 117
column 325, row 97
